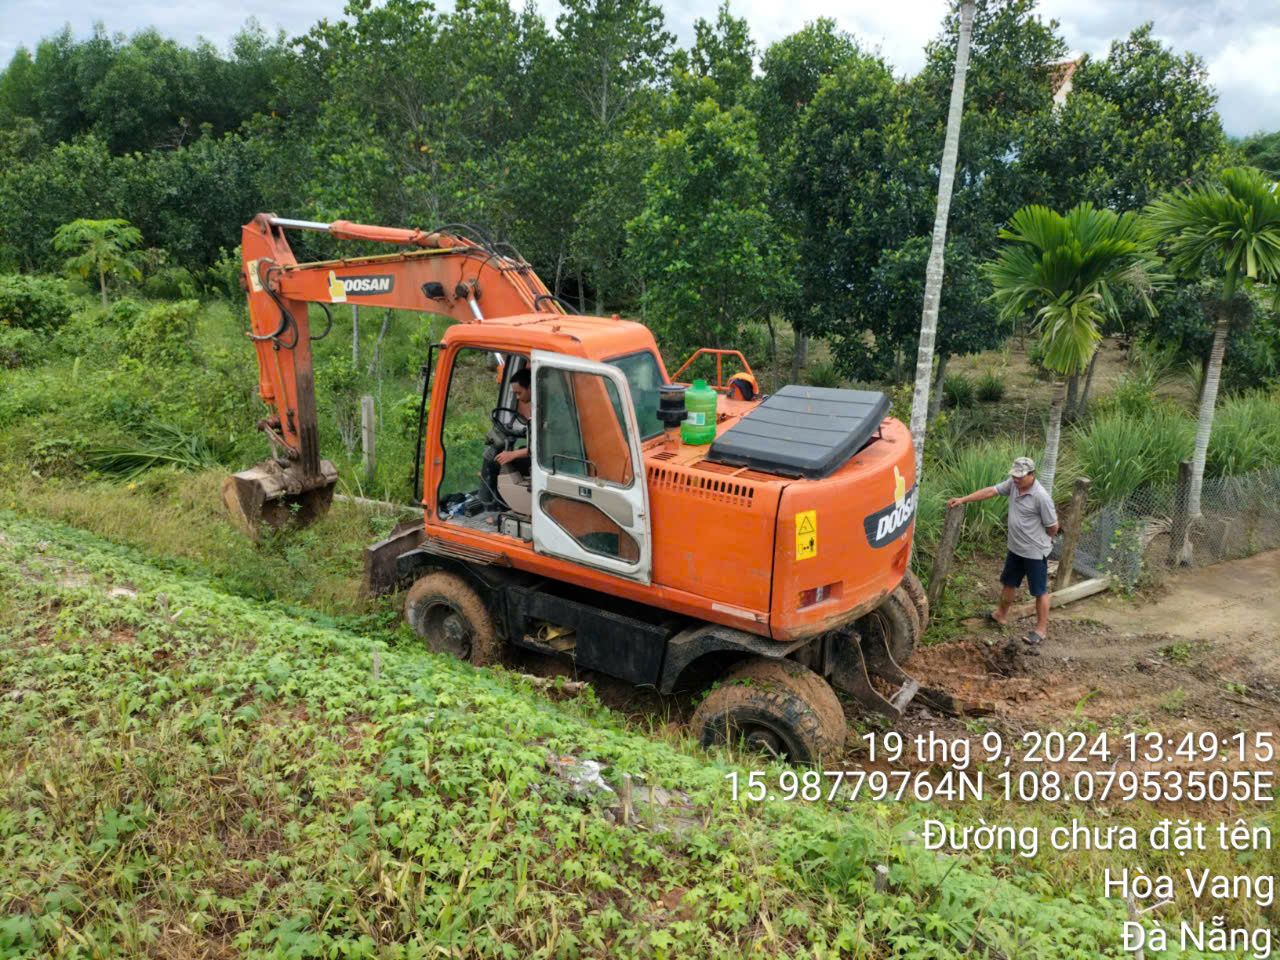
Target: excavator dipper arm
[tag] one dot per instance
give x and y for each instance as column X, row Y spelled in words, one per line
column 444, row 273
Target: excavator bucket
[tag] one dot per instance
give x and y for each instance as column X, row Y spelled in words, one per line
column 269, row 495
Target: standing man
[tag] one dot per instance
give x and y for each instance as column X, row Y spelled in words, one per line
column 1032, row 522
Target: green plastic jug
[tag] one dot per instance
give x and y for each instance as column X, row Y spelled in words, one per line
column 700, row 414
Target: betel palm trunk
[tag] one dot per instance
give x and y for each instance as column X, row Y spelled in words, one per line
column 1208, row 398
column 933, row 273
column 1053, row 436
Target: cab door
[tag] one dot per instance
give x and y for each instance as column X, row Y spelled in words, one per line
column 590, row 496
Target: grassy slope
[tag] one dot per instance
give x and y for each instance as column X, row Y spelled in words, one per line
column 199, row 773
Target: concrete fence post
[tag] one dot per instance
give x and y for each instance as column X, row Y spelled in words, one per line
column 368, row 423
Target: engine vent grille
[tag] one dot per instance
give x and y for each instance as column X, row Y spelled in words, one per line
column 709, row 488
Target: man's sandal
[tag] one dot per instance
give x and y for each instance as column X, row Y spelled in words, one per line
column 1032, row 638
column 992, row 621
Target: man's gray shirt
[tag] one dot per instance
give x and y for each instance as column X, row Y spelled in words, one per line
column 1029, row 514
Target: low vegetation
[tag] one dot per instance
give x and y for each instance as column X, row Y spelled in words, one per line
column 195, row 771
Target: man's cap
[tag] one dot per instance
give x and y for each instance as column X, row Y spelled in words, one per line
column 1022, row 466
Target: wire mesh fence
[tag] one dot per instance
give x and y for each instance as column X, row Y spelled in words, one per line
column 1133, row 539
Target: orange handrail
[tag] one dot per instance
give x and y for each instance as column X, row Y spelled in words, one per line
column 720, row 355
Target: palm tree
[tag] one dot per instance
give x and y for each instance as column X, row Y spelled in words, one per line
column 933, row 272
column 1237, row 223
column 1066, row 269
column 103, row 247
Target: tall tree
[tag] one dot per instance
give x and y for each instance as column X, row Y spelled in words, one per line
column 1066, row 269
column 1137, row 123
column 1235, row 224
column 1262, row 150
column 933, row 282
column 792, row 70
column 710, row 254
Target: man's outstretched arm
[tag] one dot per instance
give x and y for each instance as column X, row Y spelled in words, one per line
column 986, row 493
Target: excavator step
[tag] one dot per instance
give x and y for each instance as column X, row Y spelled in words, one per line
column 856, row 659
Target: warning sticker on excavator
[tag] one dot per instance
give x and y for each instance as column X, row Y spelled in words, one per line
column 806, row 534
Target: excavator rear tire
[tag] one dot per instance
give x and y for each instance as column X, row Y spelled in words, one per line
column 915, row 590
column 898, row 620
column 451, row 617
column 778, row 706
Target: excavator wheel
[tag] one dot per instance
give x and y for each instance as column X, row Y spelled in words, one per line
column 270, row 496
column 897, row 622
column 449, row 615
column 915, row 590
column 777, row 706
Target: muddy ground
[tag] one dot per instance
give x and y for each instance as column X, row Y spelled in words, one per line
column 1201, row 653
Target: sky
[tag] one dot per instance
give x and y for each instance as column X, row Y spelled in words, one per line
column 1240, row 43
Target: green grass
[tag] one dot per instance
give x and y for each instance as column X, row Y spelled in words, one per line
column 1122, row 453
column 195, row 772
column 990, row 387
column 959, row 390
column 1246, row 435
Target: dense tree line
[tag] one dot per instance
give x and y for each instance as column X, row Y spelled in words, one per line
column 689, row 185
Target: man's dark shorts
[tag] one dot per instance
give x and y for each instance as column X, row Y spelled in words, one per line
column 1036, row 572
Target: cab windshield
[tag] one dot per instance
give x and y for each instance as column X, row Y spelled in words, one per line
column 644, row 378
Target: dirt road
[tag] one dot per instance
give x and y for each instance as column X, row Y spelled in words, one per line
column 1229, row 600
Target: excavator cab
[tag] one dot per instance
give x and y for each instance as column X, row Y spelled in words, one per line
column 581, row 496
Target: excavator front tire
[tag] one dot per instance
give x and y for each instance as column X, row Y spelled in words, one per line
column 780, row 707
column 897, row 620
column 915, row 590
column 451, row 618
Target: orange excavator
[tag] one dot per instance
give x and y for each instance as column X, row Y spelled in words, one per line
column 563, row 513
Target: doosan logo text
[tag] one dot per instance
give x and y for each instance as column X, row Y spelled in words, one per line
column 885, row 526
column 368, row 285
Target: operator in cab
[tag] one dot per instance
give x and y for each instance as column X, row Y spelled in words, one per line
column 520, row 390
column 513, row 424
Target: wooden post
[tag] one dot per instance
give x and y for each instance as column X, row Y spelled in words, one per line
column 368, row 421
column 1071, row 533
column 1181, row 514
column 946, row 552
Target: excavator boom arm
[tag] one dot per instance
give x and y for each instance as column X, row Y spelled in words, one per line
column 445, row 273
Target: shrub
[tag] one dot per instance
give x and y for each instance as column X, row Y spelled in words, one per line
column 1114, row 453
column 171, row 283
column 17, row 346
column 163, row 333
column 1122, row 452
column 404, row 415
column 958, row 390
column 824, row 375
column 1172, row 436
column 124, row 313
column 1133, row 395
column 1246, row 435
column 1035, row 356
column 34, row 303
column 990, row 387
